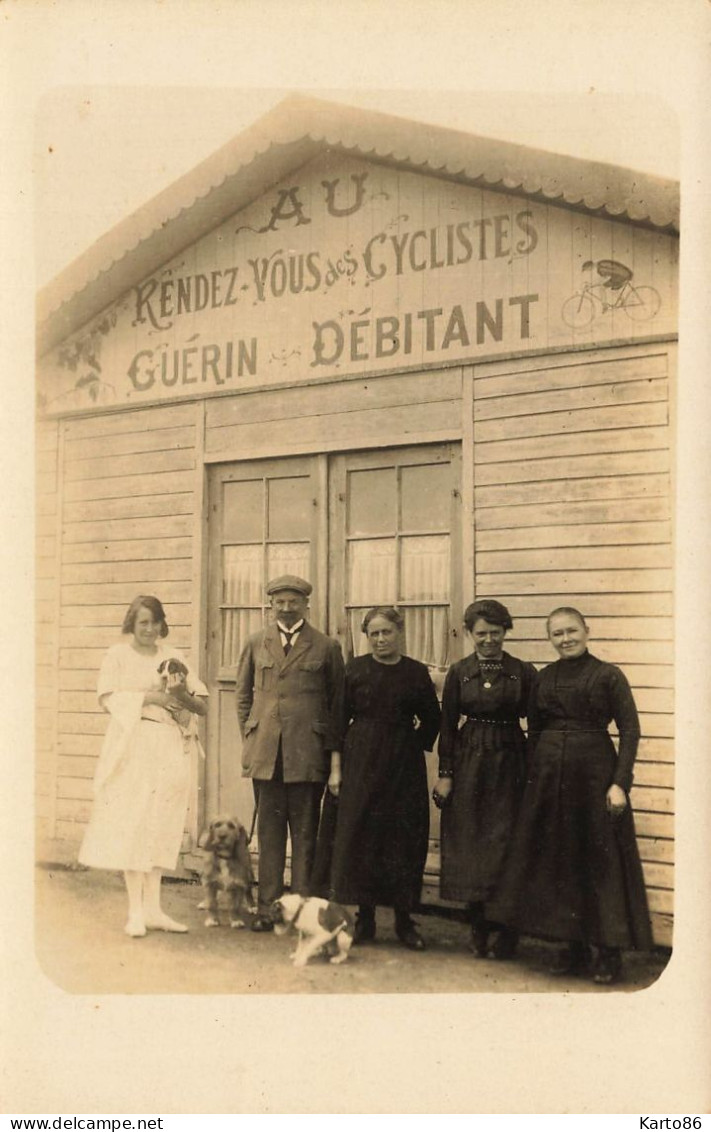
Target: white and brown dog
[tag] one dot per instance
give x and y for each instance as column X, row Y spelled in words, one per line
column 322, row 926
column 178, row 671
column 227, row 869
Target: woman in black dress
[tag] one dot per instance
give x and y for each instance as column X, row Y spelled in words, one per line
column 391, row 716
column 573, row 873
column 482, row 770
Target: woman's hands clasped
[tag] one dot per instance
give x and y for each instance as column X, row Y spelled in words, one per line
column 176, row 697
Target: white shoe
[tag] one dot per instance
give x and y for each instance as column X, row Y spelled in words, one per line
column 135, row 928
column 163, row 923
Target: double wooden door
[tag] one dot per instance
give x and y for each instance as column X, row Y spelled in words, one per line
column 366, row 528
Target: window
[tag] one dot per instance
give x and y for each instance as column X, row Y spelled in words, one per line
column 395, row 536
column 265, row 515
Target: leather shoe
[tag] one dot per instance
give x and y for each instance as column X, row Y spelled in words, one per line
column 479, row 944
column 505, row 944
column 262, row 924
column 411, row 938
column 364, row 931
column 607, row 967
column 572, row 960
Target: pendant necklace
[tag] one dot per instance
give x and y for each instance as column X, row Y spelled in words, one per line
column 488, row 670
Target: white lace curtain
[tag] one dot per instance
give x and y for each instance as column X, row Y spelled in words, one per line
column 426, row 633
column 373, row 569
column 424, row 570
column 243, row 580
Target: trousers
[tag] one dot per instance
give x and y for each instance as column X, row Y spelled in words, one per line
column 291, row 808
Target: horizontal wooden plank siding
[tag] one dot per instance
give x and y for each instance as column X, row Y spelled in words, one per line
column 575, row 444
column 561, row 536
column 601, row 559
column 128, row 549
column 48, row 502
column 82, row 723
column 112, row 615
column 127, row 487
column 572, row 507
column 129, row 443
column 122, row 593
column 338, row 431
column 609, row 628
column 585, row 581
column 629, row 488
column 513, row 517
column 161, row 461
column 560, row 372
column 490, row 428
column 574, row 467
column 127, row 527
column 569, row 400
column 337, row 415
column 135, row 506
column 141, row 420
column 621, row 652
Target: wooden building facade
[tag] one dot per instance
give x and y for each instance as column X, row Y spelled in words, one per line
column 414, row 365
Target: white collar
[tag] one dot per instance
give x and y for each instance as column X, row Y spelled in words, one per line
column 294, row 629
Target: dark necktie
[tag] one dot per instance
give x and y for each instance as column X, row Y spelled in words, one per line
column 287, row 643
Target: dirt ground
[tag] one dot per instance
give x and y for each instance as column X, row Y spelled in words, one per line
column 81, row 946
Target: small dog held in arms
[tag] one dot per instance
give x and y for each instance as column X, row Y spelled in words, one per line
column 175, row 667
column 322, row 927
column 227, row 869
column 173, row 672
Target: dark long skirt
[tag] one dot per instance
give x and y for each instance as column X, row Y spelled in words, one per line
column 373, row 842
column 573, row 872
column 478, row 820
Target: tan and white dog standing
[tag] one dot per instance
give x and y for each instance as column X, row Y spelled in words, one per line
column 321, row 925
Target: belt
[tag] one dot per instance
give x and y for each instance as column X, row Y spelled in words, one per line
column 484, row 719
column 575, row 725
column 389, row 719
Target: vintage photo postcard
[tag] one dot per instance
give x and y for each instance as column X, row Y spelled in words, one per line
column 365, row 420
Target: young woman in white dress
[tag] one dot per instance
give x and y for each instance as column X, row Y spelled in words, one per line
column 142, row 778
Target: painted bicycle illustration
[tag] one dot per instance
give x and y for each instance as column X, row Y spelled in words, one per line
column 615, row 292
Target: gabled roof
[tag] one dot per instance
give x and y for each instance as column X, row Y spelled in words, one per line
column 294, row 132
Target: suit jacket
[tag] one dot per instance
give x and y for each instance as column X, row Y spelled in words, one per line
column 292, row 699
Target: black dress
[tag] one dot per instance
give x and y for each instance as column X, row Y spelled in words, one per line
column 486, row 758
column 391, row 716
column 573, row 872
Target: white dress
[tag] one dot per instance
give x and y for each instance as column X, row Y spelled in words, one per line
column 142, row 778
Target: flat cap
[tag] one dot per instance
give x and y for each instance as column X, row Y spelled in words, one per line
column 289, row 582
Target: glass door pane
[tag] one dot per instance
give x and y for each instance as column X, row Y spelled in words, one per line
column 426, row 491
column 398, row 520
column 266, row 523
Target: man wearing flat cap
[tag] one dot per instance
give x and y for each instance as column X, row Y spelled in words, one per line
column 289, row 681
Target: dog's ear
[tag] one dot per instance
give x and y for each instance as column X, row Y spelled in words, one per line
column 205, row 839
column 240, row 852
column 162, row 667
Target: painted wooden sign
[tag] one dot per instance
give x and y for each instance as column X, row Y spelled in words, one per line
column 350, row 267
